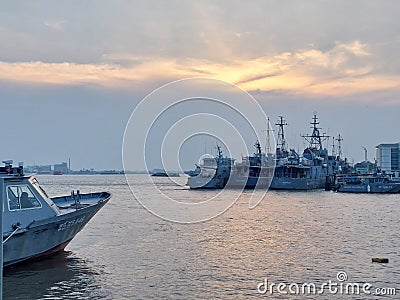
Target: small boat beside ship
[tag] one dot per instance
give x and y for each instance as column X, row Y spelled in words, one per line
column 35, row 225
column 369, row 183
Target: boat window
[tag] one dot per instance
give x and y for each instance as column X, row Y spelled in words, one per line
column 21, row 197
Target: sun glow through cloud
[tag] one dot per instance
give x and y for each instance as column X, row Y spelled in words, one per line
column 343, row 69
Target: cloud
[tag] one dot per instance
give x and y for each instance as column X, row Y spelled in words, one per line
column 55, row 25
column 347, row 68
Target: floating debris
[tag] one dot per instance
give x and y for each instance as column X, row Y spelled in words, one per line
column 380, row 260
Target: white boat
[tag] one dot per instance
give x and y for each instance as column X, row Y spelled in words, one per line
column 35, row 225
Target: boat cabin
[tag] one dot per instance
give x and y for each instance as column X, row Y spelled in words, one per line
column 24, row 201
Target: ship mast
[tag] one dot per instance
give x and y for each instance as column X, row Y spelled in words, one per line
column 315, row 139
column 281, row 143
column 339, row 140
column 268, row 139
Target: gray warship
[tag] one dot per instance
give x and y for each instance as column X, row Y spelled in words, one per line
column 286, row 170
column 35, row 225
column 311, row 170
column 255, row 171
column 214, row 172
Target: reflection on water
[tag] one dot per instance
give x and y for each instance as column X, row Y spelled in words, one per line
column 127, row 253
column 61, row 276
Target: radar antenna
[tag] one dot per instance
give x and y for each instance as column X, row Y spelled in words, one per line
column 339, row 140
column 281, row 143
column 315, row 139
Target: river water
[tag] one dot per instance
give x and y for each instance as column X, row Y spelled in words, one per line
column 289, row 238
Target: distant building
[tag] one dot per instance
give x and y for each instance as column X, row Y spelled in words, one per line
column 388, row 157
column 46, row 169
column 61, row 168
column 41, row 169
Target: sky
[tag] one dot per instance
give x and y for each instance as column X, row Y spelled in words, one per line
column 72, row 72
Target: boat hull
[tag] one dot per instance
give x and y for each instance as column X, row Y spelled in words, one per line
column 46, row 237
column 391, row 188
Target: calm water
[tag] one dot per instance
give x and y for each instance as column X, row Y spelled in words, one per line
column 291, row 237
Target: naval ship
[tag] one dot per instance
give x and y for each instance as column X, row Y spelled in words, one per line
column 302, row 172
column 255, row 171
column 286, row 170
column 214, row 172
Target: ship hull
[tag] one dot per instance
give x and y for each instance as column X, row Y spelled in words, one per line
column 199, row 182
column 249, row 182
column 46, row 237
column 391, row 188
column 284, row 183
